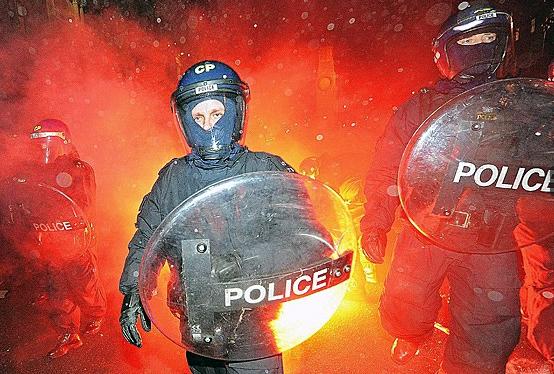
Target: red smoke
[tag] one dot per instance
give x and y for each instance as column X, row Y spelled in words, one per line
column 110, row 79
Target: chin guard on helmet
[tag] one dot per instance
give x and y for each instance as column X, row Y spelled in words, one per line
column 465, row 61
column 211, row 80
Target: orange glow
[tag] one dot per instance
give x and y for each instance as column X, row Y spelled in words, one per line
column 299, row 319
column 159, row 309
column 110, row 79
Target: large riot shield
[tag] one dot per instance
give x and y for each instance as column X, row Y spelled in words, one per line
column 481, row 165
column 42, row 222
column 250, row 266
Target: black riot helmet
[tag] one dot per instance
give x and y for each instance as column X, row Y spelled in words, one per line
column 473, row 42
column 217, row 89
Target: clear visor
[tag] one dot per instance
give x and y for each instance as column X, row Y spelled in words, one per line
column 207, row 116
column 201, row 116
column 478, row 52
column 47, row 148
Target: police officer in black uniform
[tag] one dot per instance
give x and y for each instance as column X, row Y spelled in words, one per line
column 470, row 48
column 75, row 294
column 210, row 107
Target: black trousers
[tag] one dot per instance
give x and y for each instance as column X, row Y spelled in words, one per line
column 484, row 302
column 75, row 293
column 538, row 261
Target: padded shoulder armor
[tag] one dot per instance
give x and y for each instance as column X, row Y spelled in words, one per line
column 167, row 166
column 275, row 161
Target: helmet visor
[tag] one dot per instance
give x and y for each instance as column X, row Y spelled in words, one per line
column 478, row 52
column 47, row 148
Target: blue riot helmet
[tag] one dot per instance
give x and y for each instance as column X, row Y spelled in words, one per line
column 473, row 42
column 210, row 82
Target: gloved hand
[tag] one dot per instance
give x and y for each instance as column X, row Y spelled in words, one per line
column 373, row 245
column 131, row 308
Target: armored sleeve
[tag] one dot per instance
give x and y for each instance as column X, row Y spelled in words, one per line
column 381, row 181
column 148, row 219
column 82, row 186
column 89, row 189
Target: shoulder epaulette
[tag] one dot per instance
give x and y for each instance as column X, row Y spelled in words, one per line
column 174, row 161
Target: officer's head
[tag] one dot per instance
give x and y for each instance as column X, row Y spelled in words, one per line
column 51, row 139
column 473, row 42
column 210, row 107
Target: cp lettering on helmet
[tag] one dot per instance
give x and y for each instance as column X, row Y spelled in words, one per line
column 204, row 68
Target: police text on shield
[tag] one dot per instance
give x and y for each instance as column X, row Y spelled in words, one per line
column 529, row 179
column 292, row 287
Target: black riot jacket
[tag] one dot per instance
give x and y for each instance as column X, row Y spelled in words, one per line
column 69, row 175
column 381, row 180
column 179, row 179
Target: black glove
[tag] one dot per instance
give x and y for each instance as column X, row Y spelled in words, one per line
column 131, row 308
column 373, row 245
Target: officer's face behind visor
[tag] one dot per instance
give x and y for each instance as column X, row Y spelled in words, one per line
column 208, row 124
column 47, row 149
column 207, row 113
column 477, row 53
column 481, row 38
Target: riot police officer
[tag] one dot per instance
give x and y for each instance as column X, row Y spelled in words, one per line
column 468, row 51
column 210, row 107
column 66, row 249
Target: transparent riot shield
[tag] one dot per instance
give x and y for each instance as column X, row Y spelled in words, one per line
column 249, row 267
column 42, row 222
column 482, row 164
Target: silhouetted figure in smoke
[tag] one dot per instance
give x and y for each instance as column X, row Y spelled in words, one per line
column 210, row 107
column 50, row 207
column 468, row 51
column 350, row 189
